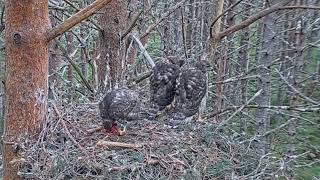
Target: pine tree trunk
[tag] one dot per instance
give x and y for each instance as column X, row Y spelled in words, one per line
column 112, row 22
column 27, row 65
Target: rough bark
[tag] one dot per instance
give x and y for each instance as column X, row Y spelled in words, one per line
column 27, row 70
column 112, row 22
column 27, row 37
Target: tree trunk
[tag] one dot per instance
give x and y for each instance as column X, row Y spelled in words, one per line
column 243, row 65
column 264, row 82
column 112, row 22
column 83, row 51
column 215, row 29
column 167, row 34
column 55, row 59
column 189, row 28
column 27, row 72
column 221, row 61
column 70, row 49
column 294, row 100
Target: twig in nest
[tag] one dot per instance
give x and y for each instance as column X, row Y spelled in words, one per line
column 125, row 167
column 93, row 130
column 66, row 129
column 118, row 144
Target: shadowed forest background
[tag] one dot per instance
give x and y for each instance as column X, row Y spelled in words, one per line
column 260, row 119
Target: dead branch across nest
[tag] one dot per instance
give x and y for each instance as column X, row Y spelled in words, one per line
column 118, row 144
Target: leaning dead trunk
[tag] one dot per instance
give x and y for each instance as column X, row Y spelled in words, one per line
column 27, row 65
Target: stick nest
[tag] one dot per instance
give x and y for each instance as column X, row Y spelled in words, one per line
column 149, row 150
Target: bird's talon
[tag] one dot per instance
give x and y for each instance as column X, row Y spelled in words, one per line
column 122, row 132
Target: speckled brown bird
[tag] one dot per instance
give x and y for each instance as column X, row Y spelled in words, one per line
column 163, row 83
column 191, row 89
column 119, row 105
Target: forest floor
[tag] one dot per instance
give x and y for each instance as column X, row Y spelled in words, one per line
column 65, row 150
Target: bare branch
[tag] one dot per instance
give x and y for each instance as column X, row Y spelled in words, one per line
column 75, row 19
column 143, row 50
column 133, row 24
column 223, row 13
column 170, row 11
column 297, row 91
column 251, row 19
column 90, row 20
column 140, row 78
column 260, row 15
column 299, row 7
column 76, row 68
column 67, row 130
column 283, row 108
column 239, row 109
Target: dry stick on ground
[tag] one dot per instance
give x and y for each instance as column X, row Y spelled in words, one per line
column 66, row 129
column 238, row 110
column 75, row 19
column 118, row 144
column 133, row 166
column 93, row 130
column 297, row 91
